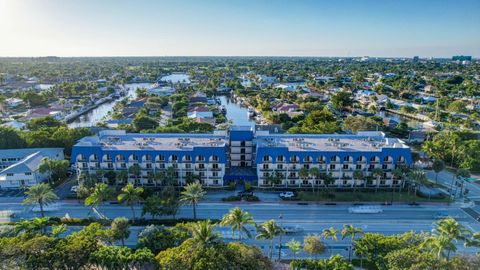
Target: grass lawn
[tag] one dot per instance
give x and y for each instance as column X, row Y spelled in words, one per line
column 364, row 196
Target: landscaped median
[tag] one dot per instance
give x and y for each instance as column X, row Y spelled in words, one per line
column 363, row 196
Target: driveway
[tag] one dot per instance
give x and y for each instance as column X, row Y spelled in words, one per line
column 216, row 196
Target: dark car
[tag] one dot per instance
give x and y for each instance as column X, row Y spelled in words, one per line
column 245, row 193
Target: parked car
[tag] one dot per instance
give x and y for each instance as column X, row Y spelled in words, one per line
column 287, row 194
column 245, row 193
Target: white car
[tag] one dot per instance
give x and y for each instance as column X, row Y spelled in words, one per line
column 367, row 209
column 74, row 188
column 287, row 194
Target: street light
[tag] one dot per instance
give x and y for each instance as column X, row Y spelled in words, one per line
column 280, row 246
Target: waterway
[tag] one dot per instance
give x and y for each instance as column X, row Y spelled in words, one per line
column 236, row 113
column 91, row 118
column 415, row 124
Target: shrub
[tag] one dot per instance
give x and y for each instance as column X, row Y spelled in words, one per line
column 251, row 198
column 232, row 199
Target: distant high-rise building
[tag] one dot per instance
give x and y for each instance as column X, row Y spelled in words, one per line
column 462, row 58
column 416, row 59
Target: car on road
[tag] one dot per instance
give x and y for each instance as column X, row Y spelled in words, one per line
column 74, row 189
column 244, row 193
column 287, row 194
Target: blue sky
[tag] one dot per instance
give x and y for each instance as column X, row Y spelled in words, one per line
column 437, row 28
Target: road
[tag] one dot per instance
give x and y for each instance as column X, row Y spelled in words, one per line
column 312, row 218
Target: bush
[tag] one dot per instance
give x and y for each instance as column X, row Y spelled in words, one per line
column 248, row 186
column 232, row 198
column 251, row 198
column 334, row 262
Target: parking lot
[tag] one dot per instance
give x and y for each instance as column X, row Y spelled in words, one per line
column 11, row 193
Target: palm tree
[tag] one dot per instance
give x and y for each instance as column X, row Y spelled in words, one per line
column 473, row 241
column 237, row 219
column 45, row 167
column 193, row 194
column 135, row 171
column 41, row 194
column 268, row 231
column 303, row 173
column 101, row 192
column 349, row 230
column 438, row 166
column 437, row 245
column 451, row 230
column 378, row 173
column 417, row 176
column 330, row 233
column 295, row 247
column 130, row 196
column 122, row 177
column 316, row 173
column 35, row 225
column 57, row 230
column 203, row 232
column 357, row 175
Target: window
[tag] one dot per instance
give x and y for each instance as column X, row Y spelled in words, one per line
column 148, row 165
column 215, row 166
column 266, row 158
column 384, row 166
column 215, row 182
column 242, row 157
column 188, row 158
column 188, row 166
column 371, row 167
column 28, row 173
column 346, row 159
column 345, row 166
column 333, row 158
column 201, row 166
column 9, row 174
column 215, row 174
column 306, row 166
column 332, row 166
column 305, row 182
column 280, row 158
column 265, row 166
column 242, row 150
column 358, row 167
column 242, row 143
column 110, row 165
column 279, row 166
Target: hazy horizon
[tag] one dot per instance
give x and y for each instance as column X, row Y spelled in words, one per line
column 247, row 28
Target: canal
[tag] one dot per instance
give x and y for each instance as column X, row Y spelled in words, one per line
column 236, row 113
column 91, row 118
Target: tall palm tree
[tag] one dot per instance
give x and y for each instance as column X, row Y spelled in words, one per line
column 330, row 233
column 203, row 232
column 451, row 230
column 193, row 194
column 122, row 177
column 349, row 230
column 303, row 173
column 130, row 196
column 437, row 245
column 135, row 171
column 357, row 175
column 417, row 176
column 377, row 173
column 101, row 192
column 41, row 194
column 237, row 219
column 35, row 225
column 268, row 231
column 316, row 173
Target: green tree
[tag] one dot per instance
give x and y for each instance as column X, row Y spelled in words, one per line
column 120, row 229
column 378, row 174
column 313, row 245
column 341, row 100
column 448, row 231
column 268, row 231
column 100, row 193
column 438, row 166
column 57, row 230
column 192, row 195
column 295, row 247
column 153, row 206
column 203, row 233
column 417, row 177
column 237, row 219
column 158, row 238
column 130, row 195
column 330, row 233
column 349, row 230
column 41, row 194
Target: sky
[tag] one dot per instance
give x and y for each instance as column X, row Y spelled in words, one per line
column 383, row 28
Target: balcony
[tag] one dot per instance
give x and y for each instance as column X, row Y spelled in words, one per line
column 200, row 169
column 266, row 169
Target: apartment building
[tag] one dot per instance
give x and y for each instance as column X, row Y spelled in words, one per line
column 143, row 157
column 365, row 159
